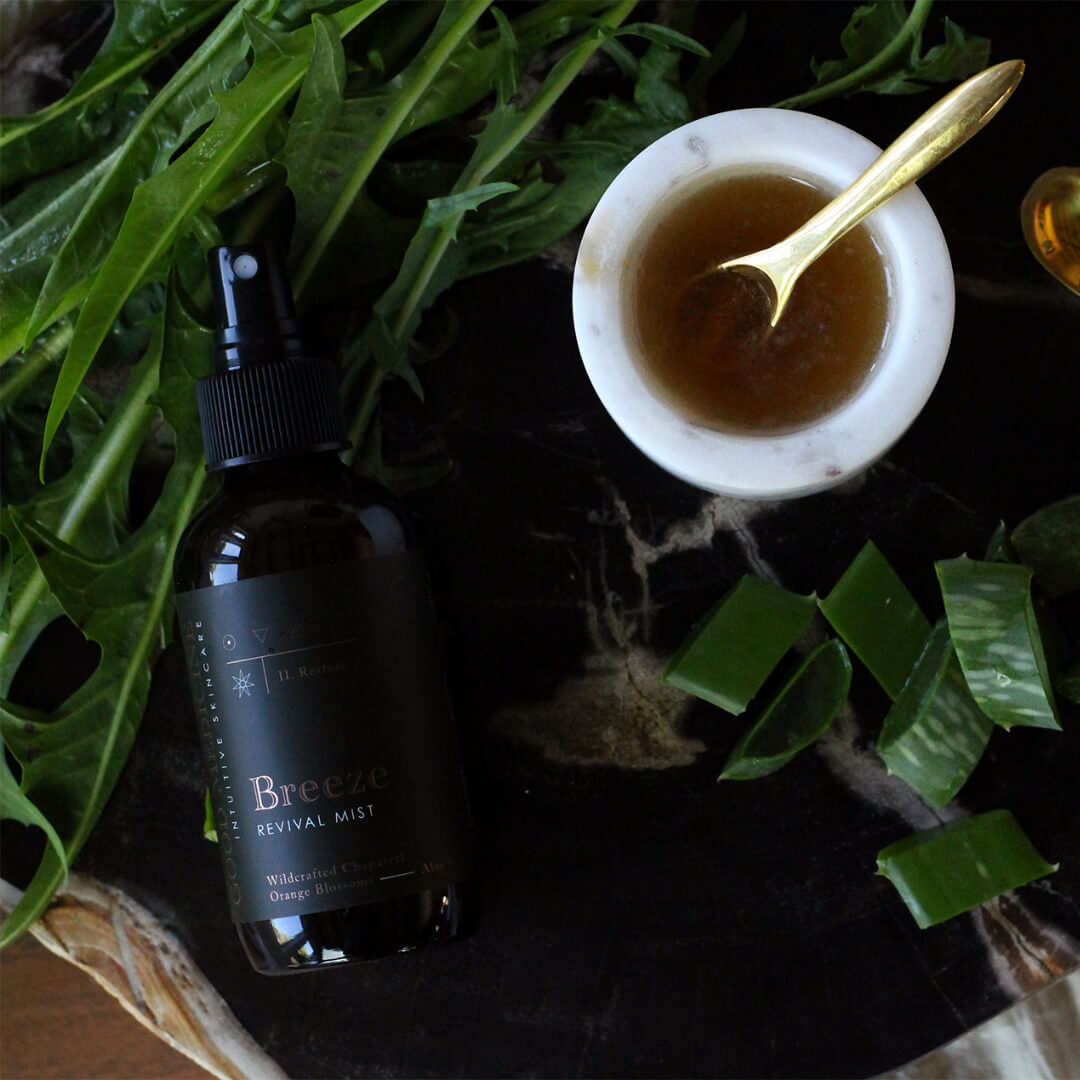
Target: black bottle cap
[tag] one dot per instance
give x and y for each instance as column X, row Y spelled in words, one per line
column 267, row 397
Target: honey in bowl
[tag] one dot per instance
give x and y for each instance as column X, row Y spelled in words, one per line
column 703, row 339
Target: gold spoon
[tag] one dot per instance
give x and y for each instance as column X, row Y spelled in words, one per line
column 936, row 134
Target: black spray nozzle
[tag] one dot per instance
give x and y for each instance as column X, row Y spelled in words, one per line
column 256, row 319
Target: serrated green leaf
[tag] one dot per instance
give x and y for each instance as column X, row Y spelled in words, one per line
column 584, row 162
column 122, row 601
column 369, row 126
column 955, row 867
column 883, row 54
column 961, row 54
column 14, row 803
column 162, row 207
column 29, row 249
column 86, row 507
column 141, row 32
column 995, row 632
column 434, row 258
column 935, row 733
column 177, row 110
column 802, row 711
column 663, row 35
column 308, row 148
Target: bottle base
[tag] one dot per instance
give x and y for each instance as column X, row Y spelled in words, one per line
column 292, row 944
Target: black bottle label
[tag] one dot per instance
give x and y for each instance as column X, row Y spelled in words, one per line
column 333, row 766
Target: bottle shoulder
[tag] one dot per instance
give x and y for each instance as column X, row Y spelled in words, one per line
column 280, row 523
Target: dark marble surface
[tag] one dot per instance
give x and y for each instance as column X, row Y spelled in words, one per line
column 641, row 919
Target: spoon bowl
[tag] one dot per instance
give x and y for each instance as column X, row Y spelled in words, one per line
column 932, row 138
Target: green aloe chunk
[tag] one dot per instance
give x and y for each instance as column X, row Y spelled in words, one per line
column 996, row 635
column 1049, row 542
column 798, row 716
column 935, row 732
column 955, row 867
column 872, row 610
column 726, row 659
column 1068, row 683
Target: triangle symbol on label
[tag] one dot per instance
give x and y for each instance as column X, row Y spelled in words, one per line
column 261, row 634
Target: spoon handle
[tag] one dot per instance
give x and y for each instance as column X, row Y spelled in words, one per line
column 932, row 138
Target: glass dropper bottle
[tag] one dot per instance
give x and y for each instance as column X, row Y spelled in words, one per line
column 304, row 611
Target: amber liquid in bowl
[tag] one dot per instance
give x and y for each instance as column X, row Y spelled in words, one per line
column 706, row 347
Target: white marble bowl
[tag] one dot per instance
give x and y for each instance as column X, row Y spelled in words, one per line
column 921, row 302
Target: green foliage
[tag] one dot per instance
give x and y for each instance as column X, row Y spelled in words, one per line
column 178, row 109
column 996, row 633
column 982, row 664
column 942, row 872
column 117, row 588
column 96, row 103
column 727, row 659
column 1049, row 542
column 935, row 733
column 883, row 54
column 797, row 717
column 873, row 611
column 392, row 147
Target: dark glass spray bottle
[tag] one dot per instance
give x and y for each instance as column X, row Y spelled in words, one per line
column 304, row 613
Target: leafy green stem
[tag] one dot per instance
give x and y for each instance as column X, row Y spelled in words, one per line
column 162, row 206
column 365, row 410
column 51, row 879
column 13, row 337
column 48, row 350
column 878, row 63
column 205, row 229
column 119, row 74
column 244, row 186
column 383, row 137
column 127, row 426
column 562, row 75
column 148, row 636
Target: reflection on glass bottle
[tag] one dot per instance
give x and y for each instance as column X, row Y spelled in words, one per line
column 1050, row 216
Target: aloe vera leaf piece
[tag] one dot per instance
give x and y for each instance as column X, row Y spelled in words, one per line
column 731, row 653
column 872, row 610
column 799, row 714
column 955, row 867
column 1049, row 542
column 996, row 635
column 1067, row 683
column 935, row 733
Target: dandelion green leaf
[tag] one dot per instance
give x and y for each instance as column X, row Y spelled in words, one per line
column 181, row 106
column 162, row 207
column 141, row 32
column 121, row 599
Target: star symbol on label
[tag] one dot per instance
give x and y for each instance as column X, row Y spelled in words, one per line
column 243, row 683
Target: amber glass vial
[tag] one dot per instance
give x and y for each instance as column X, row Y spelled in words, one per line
column 333, row 768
